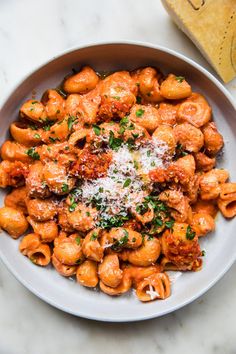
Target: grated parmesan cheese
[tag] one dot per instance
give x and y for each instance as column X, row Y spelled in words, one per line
column 125, row 184
column 153, row 293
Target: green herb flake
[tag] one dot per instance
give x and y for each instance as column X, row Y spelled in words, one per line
column 33, row 126
column 127, row 183
column 53, row 140
column 32, row 153
column 71, row 121
column 138, row 99
column 37, row 136
column 94, row 236
column 169, row 224
column 121, row 130
column 124, row 121
column 78, row 240
column 88, row 213
column 114, row 143
column 65, row 188
column 139, row 112
column 116, row 98
column 121, row 242
column 73, row 206
column 97, row 130
column 190, row 234
column 158, row 222
column 203, row 253
column 180, row 78
column 34, row 102
column 136, row 164
column 46, row 127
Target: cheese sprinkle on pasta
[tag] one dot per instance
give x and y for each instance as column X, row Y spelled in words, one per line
column 125, row 185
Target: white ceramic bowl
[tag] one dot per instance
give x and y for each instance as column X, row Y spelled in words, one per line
column 220, row 246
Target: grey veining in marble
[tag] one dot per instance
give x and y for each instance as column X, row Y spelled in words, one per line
column 31, row 32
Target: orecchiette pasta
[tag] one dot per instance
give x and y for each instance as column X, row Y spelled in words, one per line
column 227, row 200
column 13, row 221
column 87, row 274
column 195, row 110
column 114, row 176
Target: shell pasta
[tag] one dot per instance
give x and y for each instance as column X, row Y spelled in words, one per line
column 113, row 180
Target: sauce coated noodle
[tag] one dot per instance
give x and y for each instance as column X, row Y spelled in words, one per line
column 114, row 178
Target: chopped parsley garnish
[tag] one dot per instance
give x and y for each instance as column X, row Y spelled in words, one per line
column 140, row 112
column 48, row 123
column 180, row 78
column 37, row 136
column 113, row 221
column 94, row 236
column 136, row 164
column 142, row 208
column 122, row 130
column 33, row 126
column 65, row 188
column 179, row 151
column 47, row 127
column 127, row 183
column 158, row 222
column 34, row 102
column 124, row 121
column 116, row 98
column 121, row 242
column 53, row 140
column 203, row 253
column 149, row 153
column 138, row 99
column 114, row 143
column 190, row 234
column 131, row 126
column 73, row 204
column 130, row 143
column 169, row 224
column 71, row 121
column 78, row 240
column 96, row 129
column 32, row 153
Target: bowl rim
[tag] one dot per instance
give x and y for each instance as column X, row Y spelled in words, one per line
column 226, row 93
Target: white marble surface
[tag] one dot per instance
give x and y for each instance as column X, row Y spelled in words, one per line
column 31, row 32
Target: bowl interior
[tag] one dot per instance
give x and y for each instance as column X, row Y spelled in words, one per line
column 220, row 246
